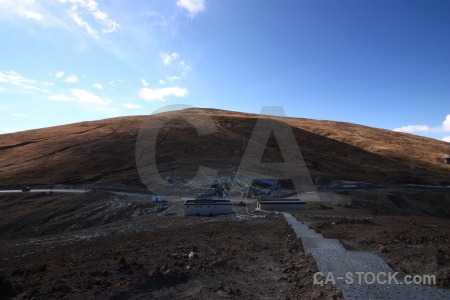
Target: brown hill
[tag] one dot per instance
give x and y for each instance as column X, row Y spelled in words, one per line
column 103, row 152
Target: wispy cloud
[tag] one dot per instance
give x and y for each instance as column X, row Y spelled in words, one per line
column 107, row 110
column 172, row 78
column 98, row 86
column 144, row 82
column 162, row 94
column 169, row 58
column 81, row 96
column 161, row 81
column 35, row 88
column 131, row 105
column 59, row 74
column 10, row 130
column 192, row 6
column 61, row 98
column 17, row 115
column 79, row 7
column 71, row 79
column 31, row 15
column 14, row 78
column 184, row 67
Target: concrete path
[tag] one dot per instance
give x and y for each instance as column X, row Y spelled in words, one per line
column 355, row 272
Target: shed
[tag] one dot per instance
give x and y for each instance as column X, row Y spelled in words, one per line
column 207, row 207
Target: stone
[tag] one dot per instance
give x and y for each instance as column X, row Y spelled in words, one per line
column 383, row 249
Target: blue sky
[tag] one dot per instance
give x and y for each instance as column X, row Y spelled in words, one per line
column 381, row 63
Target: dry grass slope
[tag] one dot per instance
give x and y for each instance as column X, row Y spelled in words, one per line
column 103, row 152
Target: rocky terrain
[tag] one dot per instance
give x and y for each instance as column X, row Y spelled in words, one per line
column 70, row 247
column 104, row 245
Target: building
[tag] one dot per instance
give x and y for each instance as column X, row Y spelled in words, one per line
column 280, row 204
column 207, row 207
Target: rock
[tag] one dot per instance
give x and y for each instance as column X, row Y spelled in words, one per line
column 222, row 293
column 123, row 266
column 193, row 255
column 383, row 249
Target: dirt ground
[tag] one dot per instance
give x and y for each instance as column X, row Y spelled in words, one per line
column 69, row 247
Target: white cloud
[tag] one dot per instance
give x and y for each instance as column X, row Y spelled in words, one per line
column 131, row 105
column 174, row 78
column 161, row 94
column 107, row 109
column 413, row 128
column 81, row 96
column 61, row 98
column 446, row 123
column 169, row 58
column 59, row 74
column 161, row 81
column 71, row 79
column 111, row 83
column 446, row 139
column 144, row 82
column 103, row 19
column 86, row 97
column 107, row 25
column 98, row 86
column 184, row 66
column 11, row 130
column 31, row 87
column 19, row 115
column 82, row 23
column 425, row 128
column 16, row 79
column 31, row 15
column 192, row 6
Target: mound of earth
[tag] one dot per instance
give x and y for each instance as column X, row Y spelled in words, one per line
column 103, row 152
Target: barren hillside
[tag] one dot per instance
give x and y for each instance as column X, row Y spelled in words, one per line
column 103, row 152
